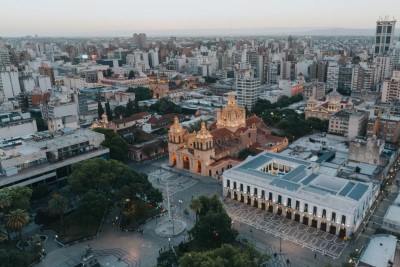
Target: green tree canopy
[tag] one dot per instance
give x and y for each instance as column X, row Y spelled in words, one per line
column 20, row 197
column 119, row 111
column 164, row 106
column 246, row 152
column 57, row 206
column 117, row 145
column 225, row 256
column 108, row 111
column 214, row 226
column 131, row 75
column 100, row 110
column 16, row 220
column 91, row 207
column 111, row 177
column 141, row 93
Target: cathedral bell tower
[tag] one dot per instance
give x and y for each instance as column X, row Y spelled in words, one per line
column 203, row 150
column 175, row 140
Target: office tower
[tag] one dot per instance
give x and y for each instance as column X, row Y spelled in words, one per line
column 318, row 70
column 47, row 70
column 383, row 68
column 384, row 35
column 247, row 88
column 285, row 70
column 391, row 88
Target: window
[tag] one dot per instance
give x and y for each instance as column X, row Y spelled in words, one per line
column 389, row 29
column 324, row 213
column 248, row 189
column 343, row 219
column 297, row 205
column 388, row 39
column 241, row 187
column 262, row 193
column 279, row 199
column 228, row 183
column 270, row 196
column 315, row 210
column 289, row 202
column 234, row 185
column 255, row 191
column 379, row 29
column 334, row 216
column 305, row 207
column 378, row 39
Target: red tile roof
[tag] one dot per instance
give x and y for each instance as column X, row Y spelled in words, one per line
column 253, row 119
column 220, row 133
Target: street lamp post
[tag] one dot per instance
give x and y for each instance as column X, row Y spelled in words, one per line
column 180, row 204
column 169, row 243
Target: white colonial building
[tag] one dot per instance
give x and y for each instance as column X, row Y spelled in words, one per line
column 296, row 189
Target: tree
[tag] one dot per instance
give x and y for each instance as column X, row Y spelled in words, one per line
column 196, row 206
column 3, row 236
column 131, row 75
column 130, row 108
column 21, row 197
column 100, row 109
column 108, row 111
column 260, row 106
column 92, row 207
column 15, row 221
column 225, row 256
column 149, row 149
column 214, row 226
column 117, row 145
column 119, row 111
column 5, row 201
column 40, row 191
column 111, row 178
column 246, row 152
column 57, row 206
column 167, row 259
column 141, row 93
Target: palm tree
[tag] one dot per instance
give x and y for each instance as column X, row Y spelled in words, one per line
column 15, row 221
column 196, row 206
column 3, row 235
column 57, row 206
column 5, row 201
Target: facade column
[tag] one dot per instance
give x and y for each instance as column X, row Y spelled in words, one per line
column 283, row 211
column 274, row 208
column 337, row 228
column 319, row 223
column 293, row 214
column 310, row 219
column 301, row 217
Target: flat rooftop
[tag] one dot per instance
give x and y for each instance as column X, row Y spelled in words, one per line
column 393, row 215
column 380, row 250
column 301, row 176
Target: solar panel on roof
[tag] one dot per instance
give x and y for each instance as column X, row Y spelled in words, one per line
column 347, row 189
column 309, row 179
column 255, row 162
column 358, row 191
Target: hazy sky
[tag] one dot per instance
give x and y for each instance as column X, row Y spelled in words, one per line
column 81, row 17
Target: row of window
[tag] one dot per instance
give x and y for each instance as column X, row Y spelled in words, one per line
column 288, row 202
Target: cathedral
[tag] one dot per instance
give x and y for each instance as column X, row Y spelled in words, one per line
column 214, row 149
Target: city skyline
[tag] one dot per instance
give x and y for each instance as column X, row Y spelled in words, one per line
column 84, row 18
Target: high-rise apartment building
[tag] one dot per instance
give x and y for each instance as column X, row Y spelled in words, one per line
column 247, row 88
column 140, row 40
column 9, row 84
column 345, row 79
column 47, row 70
column 332, row 77
column 391, row 88
column 384, row 35
column 4, row 58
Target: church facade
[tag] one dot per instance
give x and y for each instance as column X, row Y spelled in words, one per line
column 212, row 150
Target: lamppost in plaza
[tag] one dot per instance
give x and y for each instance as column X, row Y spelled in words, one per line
column 169, row 243
column 280, row 245
column 180, row 204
